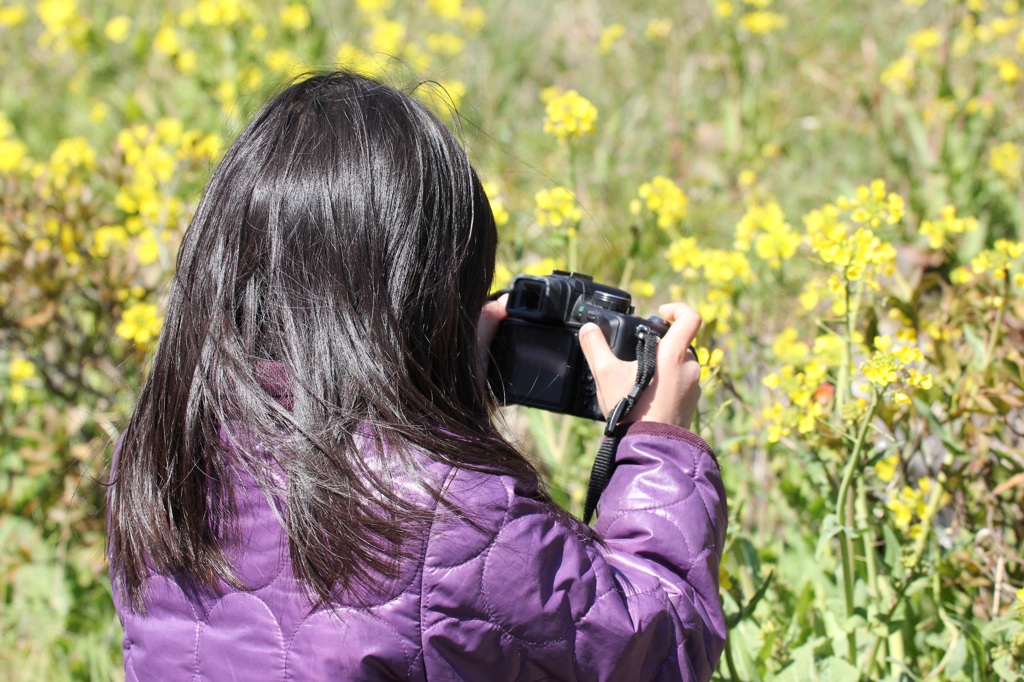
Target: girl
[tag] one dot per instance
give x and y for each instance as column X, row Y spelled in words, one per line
column 310, row 486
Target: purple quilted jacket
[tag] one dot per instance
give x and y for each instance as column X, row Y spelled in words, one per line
column 528, row 595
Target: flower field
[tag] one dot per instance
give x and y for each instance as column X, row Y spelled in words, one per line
column 837, row 187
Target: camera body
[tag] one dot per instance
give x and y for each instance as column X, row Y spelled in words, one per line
column 536, row 359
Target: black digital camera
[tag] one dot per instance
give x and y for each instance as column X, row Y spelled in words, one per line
column 536, row 359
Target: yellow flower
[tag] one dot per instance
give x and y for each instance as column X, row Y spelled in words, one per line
column 106, row 238
column 284, row 62
column 386, row 37
column 57, row 14
column 472, row 18
column 609, row 36
column 788, row 349
column 1005, row 160
column 374, row 6
column 21, row 369
column 497, row 202
column 568, row 115
column 665, row 200
column 709, row 360
column 762, row 23
column 924, row 40
column 447, row 44
column 12, row 16
column 166, row 41
column 352, row 58
column 899, row 75
column 658, row 29
column 725, row 580
column 186, row 61
column 773, row 238
column 557, row 207
column 1008, row 70
column 117, row 29
column 295, row 16
column 446, row 9
column 545, row 266
column 148, row 248
column 140, row 323
column 642, row 288
column 12, row 152
column 886, row 468
column 947, row 223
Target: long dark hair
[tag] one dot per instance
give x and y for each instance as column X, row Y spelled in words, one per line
column 346, row 243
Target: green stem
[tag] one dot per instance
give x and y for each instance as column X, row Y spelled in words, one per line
column 728, row 660
column 868, row 539
column 843, row 515
column 851, row 464
column 843, row 388
column 572, row 230
column 934, row 502
column 993, row 338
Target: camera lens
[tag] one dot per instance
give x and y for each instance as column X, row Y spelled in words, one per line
column 609, row 301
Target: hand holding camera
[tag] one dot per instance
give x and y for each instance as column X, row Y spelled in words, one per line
column 547, row 352
column 674, row 391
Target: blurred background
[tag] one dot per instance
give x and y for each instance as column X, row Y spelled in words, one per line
column 834, row 184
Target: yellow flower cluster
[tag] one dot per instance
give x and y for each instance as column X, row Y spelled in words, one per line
column 658, row 29
column 497, row 202
column 568, row 115
column 557, row 207
column 889, row 367
column 714, row 266
column 153, row 156
column 802, row 382
column 762, row 22
column 709, row 361
column 216, row 13
column 999, row 261
column 12, row 150
column 662, row 197
column 948, row 223
column 909, row 504
column 755, row 17
column 764, row 225
column 19, row 372
column 925, row 40
column 721, row 271
column 140, row 323
column 899, row 75
column 874, row 205
column 1005, row 160
column 609, row 36
column 295, row 16
column 64, row 26
column 71, row 155
column 804, row 405
column 858, row 253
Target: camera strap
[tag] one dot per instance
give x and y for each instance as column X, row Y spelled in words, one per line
column 646, row 360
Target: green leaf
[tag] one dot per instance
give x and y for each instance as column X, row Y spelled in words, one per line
column 802, row 667
column 830, row 527
column 835, row 669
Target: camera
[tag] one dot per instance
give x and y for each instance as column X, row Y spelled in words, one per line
column 536, row 359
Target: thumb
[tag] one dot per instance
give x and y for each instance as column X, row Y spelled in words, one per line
column 595, row 348
column 614, row 377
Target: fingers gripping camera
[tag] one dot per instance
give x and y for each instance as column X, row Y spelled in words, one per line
column 537, row 360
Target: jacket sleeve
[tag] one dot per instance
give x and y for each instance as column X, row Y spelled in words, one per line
column 527, row 593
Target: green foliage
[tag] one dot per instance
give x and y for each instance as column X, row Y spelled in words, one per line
column 835, row 186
